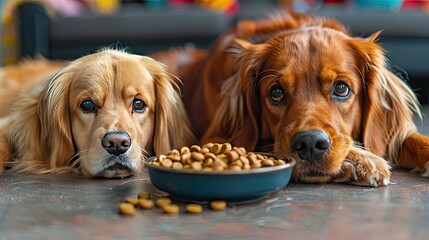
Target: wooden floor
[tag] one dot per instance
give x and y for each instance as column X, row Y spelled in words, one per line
column 70, row 207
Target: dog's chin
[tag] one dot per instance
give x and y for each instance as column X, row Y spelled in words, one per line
column 117, row 171
column 115, row 167
column 306, row 172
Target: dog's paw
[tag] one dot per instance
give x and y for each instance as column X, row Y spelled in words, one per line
column 423, row 172
column 364, row 168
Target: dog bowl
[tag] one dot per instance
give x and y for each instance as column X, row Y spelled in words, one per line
column 228, row 185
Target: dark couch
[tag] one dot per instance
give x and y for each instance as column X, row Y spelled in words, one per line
column 143, row 31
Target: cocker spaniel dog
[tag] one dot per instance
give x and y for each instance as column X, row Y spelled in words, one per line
column 104, row 113
column 303, row 86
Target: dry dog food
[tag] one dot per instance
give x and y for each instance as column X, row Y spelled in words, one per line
column 161, row 202
column 127, row 209
column 145, row 195
column 215, row 157
column 218, row 205
column 133, row 201
column 171, row 208
column 166, row 205
column 194, row 208
column 145, row 203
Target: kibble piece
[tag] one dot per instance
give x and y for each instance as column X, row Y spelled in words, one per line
column 256, row 165
column 185, row 150
column 161, row 158
column 161, row 202
column 260, row 157
column 222, row 157
column 237, row 163
column 208, row 145
column 195, row 148
column 127, row 209
column 204, row 150
column 280, row 162
column 217, row 163
column 197, row 166
column 208, row 162
column 174, row 158
column 194, row 208
column 226, row 147
column 235, row 168
column 145, row 195
column 186, row 157
column 246, row 166
column 167, row 163
column 244, row 160
column 216, row 148
column 131, row 200
column 146, row 203
column 252, row 158
column 187, row 166
column 267, row 163
column 197, row 156
column 232, row 155
column 209, row 155
column 177, row 165
column 171, row 209
column 218, row 205
column 241, row 151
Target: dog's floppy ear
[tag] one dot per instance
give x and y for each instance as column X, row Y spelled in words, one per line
column 236, row 119
column 41, row 130
column 172, row 127
column 388, row 103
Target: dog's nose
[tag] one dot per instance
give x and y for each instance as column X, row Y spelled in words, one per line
column 116, row 142
column 310, row 145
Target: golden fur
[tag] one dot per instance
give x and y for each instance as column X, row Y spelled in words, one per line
column 265, row 84
column 88, row 110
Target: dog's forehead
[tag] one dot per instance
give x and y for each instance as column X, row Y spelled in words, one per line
column 110, row 68
column 100, row 76
column 305, row 46
column 309, row 36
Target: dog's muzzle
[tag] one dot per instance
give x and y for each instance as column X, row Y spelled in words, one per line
column 310, row 145
column 116, row 143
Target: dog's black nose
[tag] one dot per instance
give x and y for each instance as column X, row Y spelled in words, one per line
column 116, row 142
column 310, row 145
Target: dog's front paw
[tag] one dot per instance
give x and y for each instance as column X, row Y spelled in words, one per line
column 364, row 168
column 423, row 172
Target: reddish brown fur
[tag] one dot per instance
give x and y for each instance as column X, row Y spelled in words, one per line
column 227, row 95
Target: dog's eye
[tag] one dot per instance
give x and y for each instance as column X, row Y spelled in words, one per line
column 341, row 90
column 88, row 106
column 139, row 106
column 277, row 95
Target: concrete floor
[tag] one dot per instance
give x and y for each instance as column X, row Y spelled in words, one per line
column 70, row 207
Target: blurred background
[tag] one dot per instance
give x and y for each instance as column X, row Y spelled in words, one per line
column 68, row 29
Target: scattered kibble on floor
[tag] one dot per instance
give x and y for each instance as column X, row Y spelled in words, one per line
column 144, row 201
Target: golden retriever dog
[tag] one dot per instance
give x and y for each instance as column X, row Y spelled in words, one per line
column 103, row 114
column 303, row 86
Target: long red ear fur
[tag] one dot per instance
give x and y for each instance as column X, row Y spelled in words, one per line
column 236, row 117
column 388, row 103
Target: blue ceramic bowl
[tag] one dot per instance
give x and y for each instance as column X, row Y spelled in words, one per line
column 231, row 186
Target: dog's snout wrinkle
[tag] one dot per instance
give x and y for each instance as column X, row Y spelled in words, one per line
column 116, row 143
column 310, row 145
